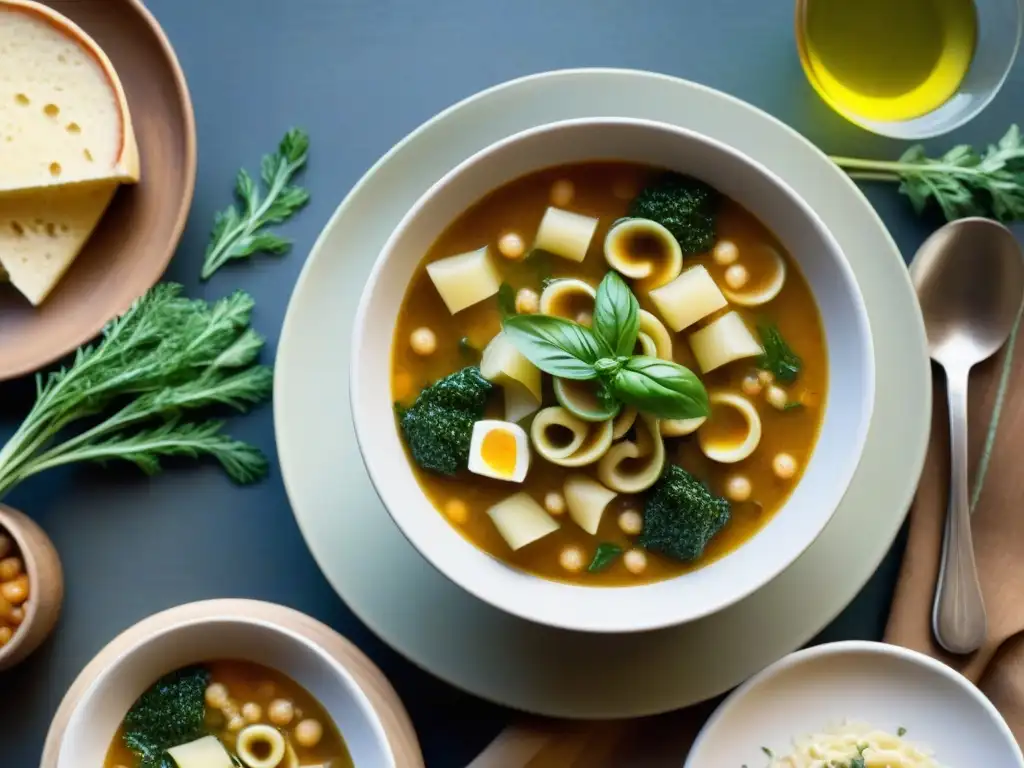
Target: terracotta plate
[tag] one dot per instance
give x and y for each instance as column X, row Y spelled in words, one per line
column 130, row 250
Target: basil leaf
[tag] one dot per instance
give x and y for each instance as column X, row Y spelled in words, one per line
column 555, row 345
column 506, row 300
column 662, row 388
column 604, row 556
column 616, row 314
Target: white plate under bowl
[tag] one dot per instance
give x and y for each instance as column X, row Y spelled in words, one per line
column 707, row 590
column 883, row 685
column 474, row 646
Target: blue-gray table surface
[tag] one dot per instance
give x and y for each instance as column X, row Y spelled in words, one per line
column 359, row 75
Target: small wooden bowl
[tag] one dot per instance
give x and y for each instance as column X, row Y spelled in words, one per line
column 46, row 582
column 139, row 233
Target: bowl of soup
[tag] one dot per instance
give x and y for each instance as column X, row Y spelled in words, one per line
column 611, row 375
column 224, row 692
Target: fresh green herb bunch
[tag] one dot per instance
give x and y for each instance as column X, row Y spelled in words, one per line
column 604, row 353
column 170, row 713
column 963, row 182
column 156, row 365
column 238, row 234
column 683, row 205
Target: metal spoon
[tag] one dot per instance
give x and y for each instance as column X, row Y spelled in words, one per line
column 969, row 278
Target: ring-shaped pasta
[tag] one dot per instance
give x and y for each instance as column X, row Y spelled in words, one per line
column 568, row 297
column 589, row 442
column 766, row 290
column 648, row 445
column 730, row 453
column 260, row 746
column 642, row 249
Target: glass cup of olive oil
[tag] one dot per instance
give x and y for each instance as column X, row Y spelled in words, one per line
column 908, row 68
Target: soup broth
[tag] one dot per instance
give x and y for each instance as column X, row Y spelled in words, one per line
column 240, row 698
column 745, row 260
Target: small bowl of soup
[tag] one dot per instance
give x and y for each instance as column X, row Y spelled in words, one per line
column 611, row 375
column 227, row 692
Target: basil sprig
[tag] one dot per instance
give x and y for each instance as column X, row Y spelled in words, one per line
column 568, row 350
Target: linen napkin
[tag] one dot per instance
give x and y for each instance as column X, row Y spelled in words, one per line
column 998, row 527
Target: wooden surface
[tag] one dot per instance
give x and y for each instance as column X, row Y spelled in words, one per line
column 385, row 702
column 137, row 236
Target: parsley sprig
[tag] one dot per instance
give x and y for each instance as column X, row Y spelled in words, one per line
column 241, row 232
column 137, row 389
column 963, row 182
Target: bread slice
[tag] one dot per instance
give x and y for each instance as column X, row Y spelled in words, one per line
column 43, row 230
column 63, row 114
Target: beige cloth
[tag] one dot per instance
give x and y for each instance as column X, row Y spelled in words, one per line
column 998, row 527
column 998, row 668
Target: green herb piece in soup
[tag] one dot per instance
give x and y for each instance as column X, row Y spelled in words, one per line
column 683, row 205
column 557, row 346
column 681, row 515
column 170, row 713
column 661, row 387
column 604, row 556
column 438, row 427
column 506, row 300
column 616, row 315
column 778, row 358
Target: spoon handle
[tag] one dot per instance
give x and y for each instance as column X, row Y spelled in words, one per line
column 958, row 617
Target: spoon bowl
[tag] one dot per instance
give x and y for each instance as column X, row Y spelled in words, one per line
column 969, row 278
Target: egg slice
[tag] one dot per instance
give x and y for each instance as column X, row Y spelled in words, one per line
column 499, row 449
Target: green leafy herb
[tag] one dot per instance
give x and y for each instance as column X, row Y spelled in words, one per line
column 767, row 751
column 604, row 556
column 557, row 346
column 901, row 731
column 662, row 388
column 616, row 314
column 792, row 405
column 170, row 713
column 778, row 358
column 568, row 350
column 858, row 762
column 963, row 182
column 240, row 233
column 156, row 365
column 506, row 301
column 685, row 206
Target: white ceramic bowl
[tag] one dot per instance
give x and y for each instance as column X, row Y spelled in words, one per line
column 884, row 685
column 93, row 723
column 677, row 600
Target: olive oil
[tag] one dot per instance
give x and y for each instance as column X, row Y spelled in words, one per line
column 886, row 60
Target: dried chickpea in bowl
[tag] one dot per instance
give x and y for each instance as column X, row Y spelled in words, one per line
column 31, row 586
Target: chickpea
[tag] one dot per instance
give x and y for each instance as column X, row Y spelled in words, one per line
column 776, row 397
column 737, row 276
column 635, row 561
column 308, row 733
column 765, row 377
column 6, row 610
column 423, row 341
column 252, row 712
column 554, row 502
column 562, row 192
column 737, row 488
column 10, row 568
column 16, row 616
column 527, row 301
column 511, row 246
column 16, row 591
column 6, row 633
column 280, row 712
column 236, row 723
column 456, row 511
column 630, row 522
column 6, row 545
column 584, row 318
column 725, row 253
column 751, row 385
column 571, row 559
column 784, row 466
column 216, row 695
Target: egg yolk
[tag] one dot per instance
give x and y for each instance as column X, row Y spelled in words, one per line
column 498, row 450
